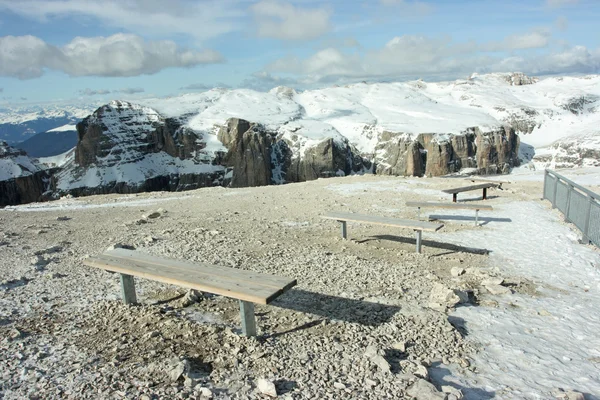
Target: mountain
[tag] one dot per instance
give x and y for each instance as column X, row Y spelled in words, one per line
column 22, row 179
column 51, row 143
column 20, row 122
column 485, row 124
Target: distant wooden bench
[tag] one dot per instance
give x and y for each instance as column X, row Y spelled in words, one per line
column 417, row 226
column 483, row 186
column 423, row 204
column 246, row 286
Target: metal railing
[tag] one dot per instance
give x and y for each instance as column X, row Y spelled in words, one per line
column 579, row 205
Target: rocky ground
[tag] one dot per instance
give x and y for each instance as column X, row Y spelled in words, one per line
column 366, row 320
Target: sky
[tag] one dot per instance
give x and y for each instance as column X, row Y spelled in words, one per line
column 89, row 50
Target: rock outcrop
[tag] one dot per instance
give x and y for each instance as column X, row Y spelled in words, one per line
column 127, row 148
column 486, row 152
column 21, row 178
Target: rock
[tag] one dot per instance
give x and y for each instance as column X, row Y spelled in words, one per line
column 62, row 218
column 400, row 346
column 339, row 386
column 421, row 372
column 205, row 393
column 191, row 297
column 457, row 271
column 442, row 297
column 497, row 289
column 492, row 281
column 371, row 351
column 39, row 262
column 152, row 215
column 120, row 246
column 423, row 390
column 452, row 391
column 14, row 333
column 567, row 394
column 381, row 363
column 178, row 368
column 267, row 387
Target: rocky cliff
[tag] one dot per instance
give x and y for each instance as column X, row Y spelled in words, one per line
column 127, row 148
column 21, row 178
column 485, row 152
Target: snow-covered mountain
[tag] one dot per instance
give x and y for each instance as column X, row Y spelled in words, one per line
column 22, row 179
column 485, row 124
column 20, row 122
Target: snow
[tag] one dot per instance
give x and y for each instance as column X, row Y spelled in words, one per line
column 532, row 344
column 529, row 345
column 64, row 128
column 58, row 160
column 136, row 171
column 15, row 167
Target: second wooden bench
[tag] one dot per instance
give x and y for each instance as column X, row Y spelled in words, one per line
column 476, row 207
column 417, row 226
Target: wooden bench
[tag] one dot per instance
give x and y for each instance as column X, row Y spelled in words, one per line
column 423, row 204
column 417, row 226
column 246, row 286
column 483, row 186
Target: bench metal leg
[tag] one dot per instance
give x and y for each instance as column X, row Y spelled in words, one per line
column 247, row 316
column 476, row 217
column 484, row 193
column 128, row 289
column 454, row 197
column 418, row 233
column 344, row 229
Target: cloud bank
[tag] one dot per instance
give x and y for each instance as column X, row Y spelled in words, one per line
column 27, row 57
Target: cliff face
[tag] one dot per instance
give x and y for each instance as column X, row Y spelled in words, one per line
column 127, row 148
column 493, row 151
column 21, row 178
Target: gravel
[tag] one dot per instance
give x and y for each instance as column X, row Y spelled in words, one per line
column 358, row 325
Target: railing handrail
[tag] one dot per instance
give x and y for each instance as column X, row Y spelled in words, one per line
column 575, row 185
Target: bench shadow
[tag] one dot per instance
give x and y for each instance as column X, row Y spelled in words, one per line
column 452, row 248
column 480, row 198
column 482, row 220
column 335, row 308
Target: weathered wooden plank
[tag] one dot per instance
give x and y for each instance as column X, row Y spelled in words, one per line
column 468, row 188
column 241, row 290
column 448, row 205
column 223, row 272
column 373, row 219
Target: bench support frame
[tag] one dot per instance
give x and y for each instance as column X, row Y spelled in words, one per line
column 344, row 229
column 418, row 235
column 247, row 317
column 128, row 289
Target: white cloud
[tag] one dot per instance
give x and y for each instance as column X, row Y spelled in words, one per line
column 199, row 19
column 133, row 90
column 93, row 92
column 27, row 57
column 281, row 20
column 529, row 40
column 409, row 57
column 560, row 3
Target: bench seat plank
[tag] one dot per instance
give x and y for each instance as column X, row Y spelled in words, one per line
column 448, row 205
column 471, row 187
column 373, row 219
column 230, row 282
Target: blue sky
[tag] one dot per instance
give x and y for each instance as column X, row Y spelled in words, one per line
column 85, row 50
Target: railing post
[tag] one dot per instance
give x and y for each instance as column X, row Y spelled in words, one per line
column 554, row 192
column 569, row 191
column 545, row 184
column 586, row 237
